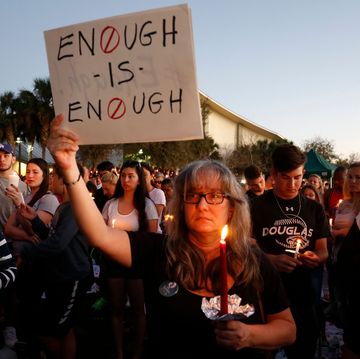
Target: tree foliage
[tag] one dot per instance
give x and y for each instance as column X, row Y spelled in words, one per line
column 8, row 117
column 92, row 155
column 176, row 154
column 27, row 115
column 258, row 153
column 323, row 147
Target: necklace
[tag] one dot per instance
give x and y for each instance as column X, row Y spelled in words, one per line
column 288, row 208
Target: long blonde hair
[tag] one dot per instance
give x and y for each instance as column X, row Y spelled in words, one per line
column 185, row 262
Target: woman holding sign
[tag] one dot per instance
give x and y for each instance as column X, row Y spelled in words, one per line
column 181, row 269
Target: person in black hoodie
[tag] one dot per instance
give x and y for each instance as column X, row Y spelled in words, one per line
column 62, row 259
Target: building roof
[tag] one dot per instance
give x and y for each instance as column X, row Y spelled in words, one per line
column 217, row 107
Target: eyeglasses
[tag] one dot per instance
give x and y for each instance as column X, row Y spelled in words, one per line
column 210, row 197
column 157, row 182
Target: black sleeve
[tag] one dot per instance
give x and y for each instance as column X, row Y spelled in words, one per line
column 39, row 227
column 58, row 239
column 147, row 251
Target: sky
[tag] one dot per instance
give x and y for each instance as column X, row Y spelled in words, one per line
column 290, row 66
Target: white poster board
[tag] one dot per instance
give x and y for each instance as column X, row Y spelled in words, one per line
column 128, row 78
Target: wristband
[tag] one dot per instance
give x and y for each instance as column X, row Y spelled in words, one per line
column 72, row 183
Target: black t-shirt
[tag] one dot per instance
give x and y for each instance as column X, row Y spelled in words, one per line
column 177, row 327
column 278, row 223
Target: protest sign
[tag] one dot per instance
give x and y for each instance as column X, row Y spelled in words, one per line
column 128, row 78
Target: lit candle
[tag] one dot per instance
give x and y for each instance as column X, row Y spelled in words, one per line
column 223, row 272
column 168, row 217
column 113, row 223
column 13, row 180
column 297, row 249
column 330, row 222
column 338, row 205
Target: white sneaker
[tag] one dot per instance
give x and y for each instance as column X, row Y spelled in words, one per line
column 10, row 337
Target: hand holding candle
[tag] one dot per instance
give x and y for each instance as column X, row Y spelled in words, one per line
column 297, row 248
column 13, row 180
column 223, row 271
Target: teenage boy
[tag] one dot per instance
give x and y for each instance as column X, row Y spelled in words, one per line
column 292, row 231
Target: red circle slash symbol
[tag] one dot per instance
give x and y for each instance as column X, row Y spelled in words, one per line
column 109, row 39
column 116, row 108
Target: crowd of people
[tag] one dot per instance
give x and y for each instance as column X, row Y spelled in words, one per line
column 151, row 243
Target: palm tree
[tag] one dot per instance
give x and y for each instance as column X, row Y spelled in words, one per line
column 45, row 109
column 7, row 117
column 26, row 109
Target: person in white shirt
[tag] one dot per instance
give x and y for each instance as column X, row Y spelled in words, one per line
column 157, row 195
column 130, row 209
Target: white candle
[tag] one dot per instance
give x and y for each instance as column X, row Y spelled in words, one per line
column 298, row 244
column 13, row 180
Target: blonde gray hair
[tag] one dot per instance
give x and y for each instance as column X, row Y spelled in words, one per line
column 186, row 263
column 110, row 177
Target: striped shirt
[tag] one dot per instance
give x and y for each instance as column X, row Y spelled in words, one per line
column 7, row 264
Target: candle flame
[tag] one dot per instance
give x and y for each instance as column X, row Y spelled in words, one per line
column 113, row 223
column 168, row 217
column 330, row 222
column 224, row 233
column 298, row 241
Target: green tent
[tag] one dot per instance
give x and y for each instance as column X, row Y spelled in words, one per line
column 319, row 165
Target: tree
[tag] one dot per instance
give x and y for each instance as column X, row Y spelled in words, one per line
column 26, row 119
column 92, row 155
column 176, row 154
column 346, row 162
column 45, row 113
column 258, row 153
column 8, row 117
column 322, row 146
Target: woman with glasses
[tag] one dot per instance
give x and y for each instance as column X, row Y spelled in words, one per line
column 347, row 222
column 181, row 269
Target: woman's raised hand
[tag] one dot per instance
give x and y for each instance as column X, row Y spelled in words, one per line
column 15, row 195
column 62, row 144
